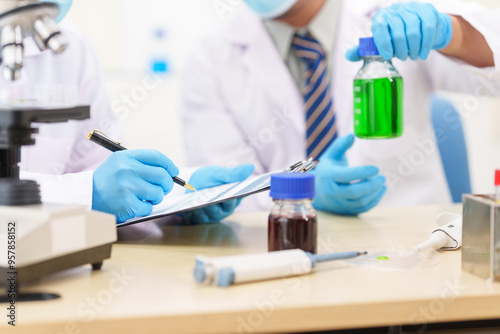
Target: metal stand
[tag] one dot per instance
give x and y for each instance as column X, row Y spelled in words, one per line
column 16, row 131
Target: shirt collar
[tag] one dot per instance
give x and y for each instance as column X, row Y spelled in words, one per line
column 322, row 27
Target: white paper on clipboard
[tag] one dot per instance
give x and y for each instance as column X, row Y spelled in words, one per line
column 219, row 194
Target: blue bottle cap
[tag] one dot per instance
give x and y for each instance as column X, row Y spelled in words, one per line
column 367, row 47
column 292, row 186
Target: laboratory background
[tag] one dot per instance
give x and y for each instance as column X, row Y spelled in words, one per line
column 142, row 45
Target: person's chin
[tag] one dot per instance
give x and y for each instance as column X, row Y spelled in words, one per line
column 294, row 10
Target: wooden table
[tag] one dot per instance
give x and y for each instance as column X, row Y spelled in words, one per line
column 148, row 285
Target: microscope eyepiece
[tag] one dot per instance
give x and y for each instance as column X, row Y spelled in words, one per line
column 27, row 18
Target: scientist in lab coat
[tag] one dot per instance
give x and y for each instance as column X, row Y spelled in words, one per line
column 245, row 93
column 71, row 169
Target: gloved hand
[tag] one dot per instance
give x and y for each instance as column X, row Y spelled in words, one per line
column 215, row 176
column 408, row 29
column 342, row 189
column 129, row 183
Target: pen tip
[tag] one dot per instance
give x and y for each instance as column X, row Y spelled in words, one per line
column 90, row 134
column 190, row 187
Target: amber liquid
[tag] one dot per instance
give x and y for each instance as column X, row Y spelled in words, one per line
column 291, row 233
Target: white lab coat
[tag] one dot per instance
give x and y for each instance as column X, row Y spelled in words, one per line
column 241, row 104
column 63, row 159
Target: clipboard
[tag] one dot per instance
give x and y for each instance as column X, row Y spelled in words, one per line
column 210, row 196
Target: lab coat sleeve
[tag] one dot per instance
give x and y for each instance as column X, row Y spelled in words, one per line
column 205, row 113
column 74, row 188
column 451, row 74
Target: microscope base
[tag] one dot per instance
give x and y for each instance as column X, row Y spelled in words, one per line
column 94, row 256
column 40, row 240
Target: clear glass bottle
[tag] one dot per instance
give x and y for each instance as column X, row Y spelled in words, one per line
column 378, row 96
column 293, row 221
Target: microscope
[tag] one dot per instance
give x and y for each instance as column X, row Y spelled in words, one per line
column 38, row 239
column 20, row 19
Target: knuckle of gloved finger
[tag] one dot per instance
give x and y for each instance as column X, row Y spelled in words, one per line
column 223, row 175
column 172, row 169
column 167, row 186
column 348, row 193
column 399, row 37
column 122, row 176
column 413, row 34
column 166, row 183
column 429, row 29
column 124, row 213
column 154, row 175
column 121, row 164
column 157, row 195
column 166, row 163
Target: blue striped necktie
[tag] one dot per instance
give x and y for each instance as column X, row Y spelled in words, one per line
column 320, row 115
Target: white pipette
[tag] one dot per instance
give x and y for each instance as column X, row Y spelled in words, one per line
column 228, row 270
column 447, row 237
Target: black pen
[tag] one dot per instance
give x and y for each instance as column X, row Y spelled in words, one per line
column 107, row 142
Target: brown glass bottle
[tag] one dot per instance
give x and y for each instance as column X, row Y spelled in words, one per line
column 293, row 224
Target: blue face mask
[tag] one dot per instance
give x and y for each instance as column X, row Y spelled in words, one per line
column 270, row 9
column 64, row 6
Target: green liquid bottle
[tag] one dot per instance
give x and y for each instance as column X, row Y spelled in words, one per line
column 378, row 96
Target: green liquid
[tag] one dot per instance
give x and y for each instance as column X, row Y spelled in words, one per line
column 378, row 108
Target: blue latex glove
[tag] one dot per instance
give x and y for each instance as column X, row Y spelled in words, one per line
column 215, row 176
column 129, row 183
column 408, row 30
column 342, row 189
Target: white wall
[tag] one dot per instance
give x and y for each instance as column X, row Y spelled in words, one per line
column 121, row 31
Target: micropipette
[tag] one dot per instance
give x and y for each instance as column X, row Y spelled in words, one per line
column 228, row 270
column 447, row 237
